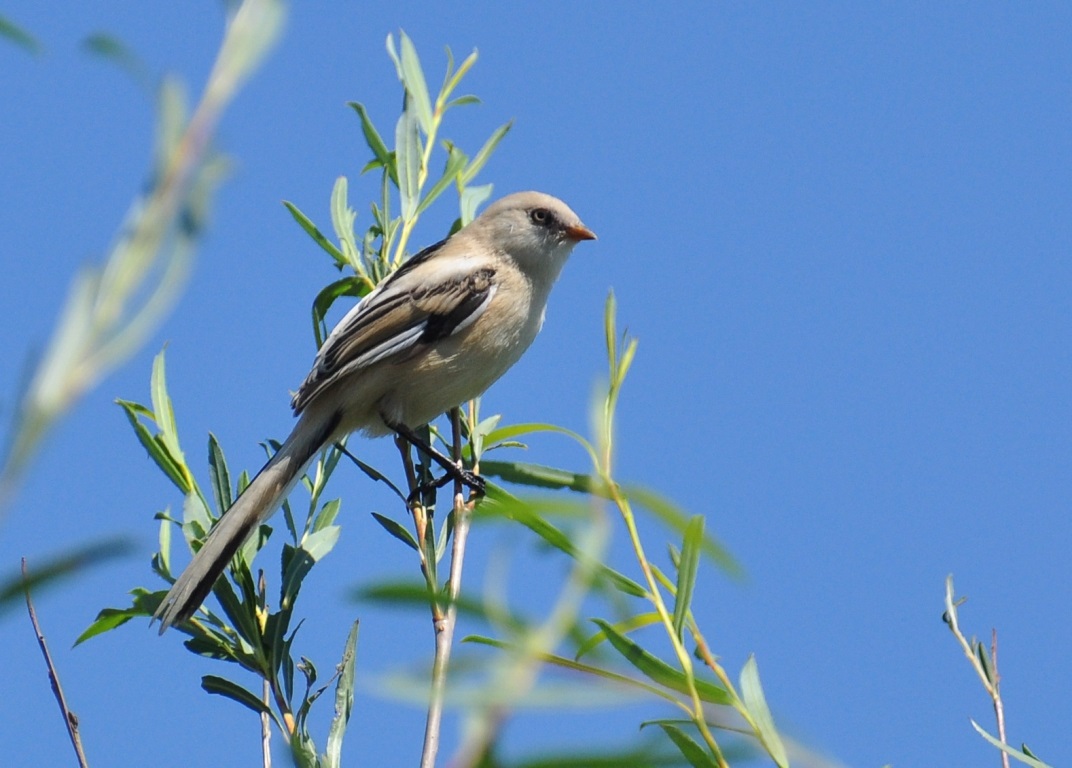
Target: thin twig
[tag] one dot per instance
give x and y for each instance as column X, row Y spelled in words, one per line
column 70, row 719
column 266, row 727
column 444, row 626
column 999, row 707
column 266, row 689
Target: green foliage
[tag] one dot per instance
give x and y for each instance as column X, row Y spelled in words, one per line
column 619, row 655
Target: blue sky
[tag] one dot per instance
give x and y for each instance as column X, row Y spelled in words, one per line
column 840, row 232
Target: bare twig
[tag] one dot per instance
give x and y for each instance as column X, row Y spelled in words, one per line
column 444, row 625
column 70, row 719
column 266, row 688
column 975, row 651
column 999, row 707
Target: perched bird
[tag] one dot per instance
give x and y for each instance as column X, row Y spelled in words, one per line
column 437, row 332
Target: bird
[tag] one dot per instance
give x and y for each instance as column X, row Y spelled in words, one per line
column 435, row 333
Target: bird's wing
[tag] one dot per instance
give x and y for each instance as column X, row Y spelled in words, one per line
column 418, row 305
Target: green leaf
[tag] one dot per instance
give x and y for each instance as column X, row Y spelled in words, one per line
column 472, row 197
column 538, row 475
column 222, row 687
column 343, row 218
column 107, row 620
column 347, row 286
column 413, row 80
column 756, row 704
column 625, row 627
column 1010, row 751
column 658, row 670
column 327, row 514
column 461, row 101
column 156, row 449
column 507, row 433
column 452, row 80
column 481, row 158
column 344, row 701
column 375, row 142
column 318, row 237
column 375, row 474
column 455, row 162
column 408, row 157
column 688, row 564
column 221, row 477
column 693, row 752
column 397, row 530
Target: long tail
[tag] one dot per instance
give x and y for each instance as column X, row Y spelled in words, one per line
column 256, row 504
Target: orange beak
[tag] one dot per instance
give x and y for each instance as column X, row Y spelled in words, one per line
column 580, row 232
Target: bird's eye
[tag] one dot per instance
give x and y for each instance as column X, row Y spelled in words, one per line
column 540, row 216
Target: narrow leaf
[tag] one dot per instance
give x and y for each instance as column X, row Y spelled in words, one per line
column 413, row 80
column 1011, row 751
column 481, row 158
column 658, row 670
column 375, row 141
column 314, row 232
column 756, row 704
column 397, row 530
column 693, row 752
column 221, row 477
column 688, row 563
column 344, row 701
column 222, row 687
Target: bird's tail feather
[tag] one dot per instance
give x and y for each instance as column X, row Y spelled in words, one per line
column 254, row 506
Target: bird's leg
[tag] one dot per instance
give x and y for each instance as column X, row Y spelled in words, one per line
column 454, row 470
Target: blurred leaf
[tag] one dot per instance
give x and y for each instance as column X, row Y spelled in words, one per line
column 756, row 704
column 693, row 752
column 56, row 568
column 113, row 50
column 688, row 564
column 405, row 594
column 500, row 503
column 677, row 520
column 17, row 35
column 318, row 237
column 575, row 666
column 658, row 670
column 1010, row 751
column 344, row 701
